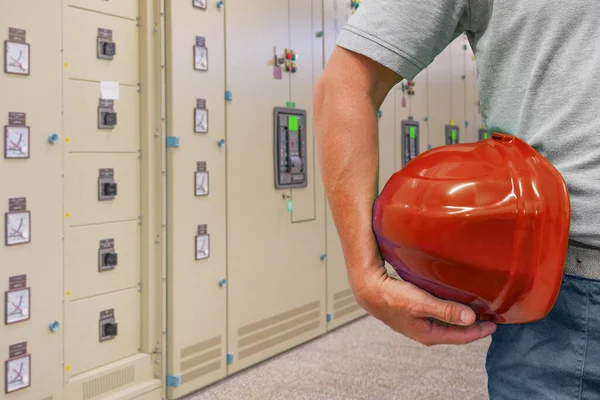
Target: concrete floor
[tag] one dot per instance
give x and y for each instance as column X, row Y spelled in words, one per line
column 362, row 360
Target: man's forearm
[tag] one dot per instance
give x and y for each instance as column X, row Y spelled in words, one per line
column 347, row 140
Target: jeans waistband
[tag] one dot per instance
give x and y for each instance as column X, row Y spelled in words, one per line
column 583, row 261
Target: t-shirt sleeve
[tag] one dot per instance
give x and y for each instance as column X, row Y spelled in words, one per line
column 405, row 35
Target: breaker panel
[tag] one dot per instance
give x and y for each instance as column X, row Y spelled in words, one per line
column 290, row 148
column 452, row 134
column 483, row 134
column 410, row 140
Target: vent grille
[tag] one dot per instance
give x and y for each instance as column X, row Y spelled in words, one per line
column 270, row 332
column 201, row 359
column 107, row 383
column 48, row 398
column 344, row 304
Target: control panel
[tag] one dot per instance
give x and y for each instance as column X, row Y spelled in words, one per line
column 202, row 243
column 107, row 117
column 201, row 180
column 107, row 257
column 200, row 54
column 16, row 137
column 17, row 300
column 452, row 134
column 108, row 325
column 200, row 117
column 410, row 140
column 483, row 134
column 107, row 187
column 17, row 222
column 290, row 148
column 106, row 47
column 17, row 373
column 16, row 52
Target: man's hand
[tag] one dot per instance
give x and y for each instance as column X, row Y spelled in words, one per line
column 346, row 101
column 417, row 314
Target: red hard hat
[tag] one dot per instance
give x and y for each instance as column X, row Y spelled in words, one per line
column 485, row 224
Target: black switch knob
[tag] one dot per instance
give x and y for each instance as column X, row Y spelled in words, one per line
column 109, row 49
column 110, row 259
column 110, row 118
column 110, row 189
column 110, row 329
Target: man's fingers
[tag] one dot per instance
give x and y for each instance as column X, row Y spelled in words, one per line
column 443, row 334
column 445, row 311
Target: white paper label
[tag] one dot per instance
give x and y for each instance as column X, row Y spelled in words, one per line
column 109, row 90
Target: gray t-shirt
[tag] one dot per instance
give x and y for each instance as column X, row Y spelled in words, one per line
column 538, row 68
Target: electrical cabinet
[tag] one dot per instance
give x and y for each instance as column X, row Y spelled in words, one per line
column 196, row 184
column 458, row 51
column 31, row 245
column 265, row 230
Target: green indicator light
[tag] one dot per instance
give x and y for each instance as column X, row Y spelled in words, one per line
column 290, row 205
column 486, row 135
column 292, row 123
column 413, row 132
column 453, row 134
column 290, row 104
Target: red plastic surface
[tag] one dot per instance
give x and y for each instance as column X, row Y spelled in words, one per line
column 485, row 224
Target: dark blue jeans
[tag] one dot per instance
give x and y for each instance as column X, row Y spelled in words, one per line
column 557, row 358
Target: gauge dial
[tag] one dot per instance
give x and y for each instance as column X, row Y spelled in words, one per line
column 16, row 142
column 18, row 226
column 18, row 374
column 201, row 120
column 201, row 58
column 16, row 56
column 201, row 183
column 17, row 305
column 200, row 4
column 202, row 246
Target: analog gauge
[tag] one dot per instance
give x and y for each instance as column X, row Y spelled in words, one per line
column 18, row 373
column 16, row 142
column 201, row 120
column 200, row 4
column 17, row 306
column 16, row 56
column 201, row 183
column 202, row 246
column 18, row 228
column 201, row 58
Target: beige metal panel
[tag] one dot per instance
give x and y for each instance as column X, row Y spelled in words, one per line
column 402, row 109
column 458, row 86
column 82, row 278
column 388, row 140
column 439, row 95
column 80, row 34
column 197, row 340
column 305, row 21
column 81, row 183
column 276, row 284
column 81, row 119
column 419, row 108
column 39, row 180
column 335, row 16
column 125, row 9
column 83, row 349
column 471, row 95
column 125, row 379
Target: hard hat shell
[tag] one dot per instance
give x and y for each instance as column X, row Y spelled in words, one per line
column 485, row 224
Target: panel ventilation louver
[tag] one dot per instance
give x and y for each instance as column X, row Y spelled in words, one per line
column 272, row 331
column 201, row 359
column 48, row 398
column 344, row 304
column 106, row 383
